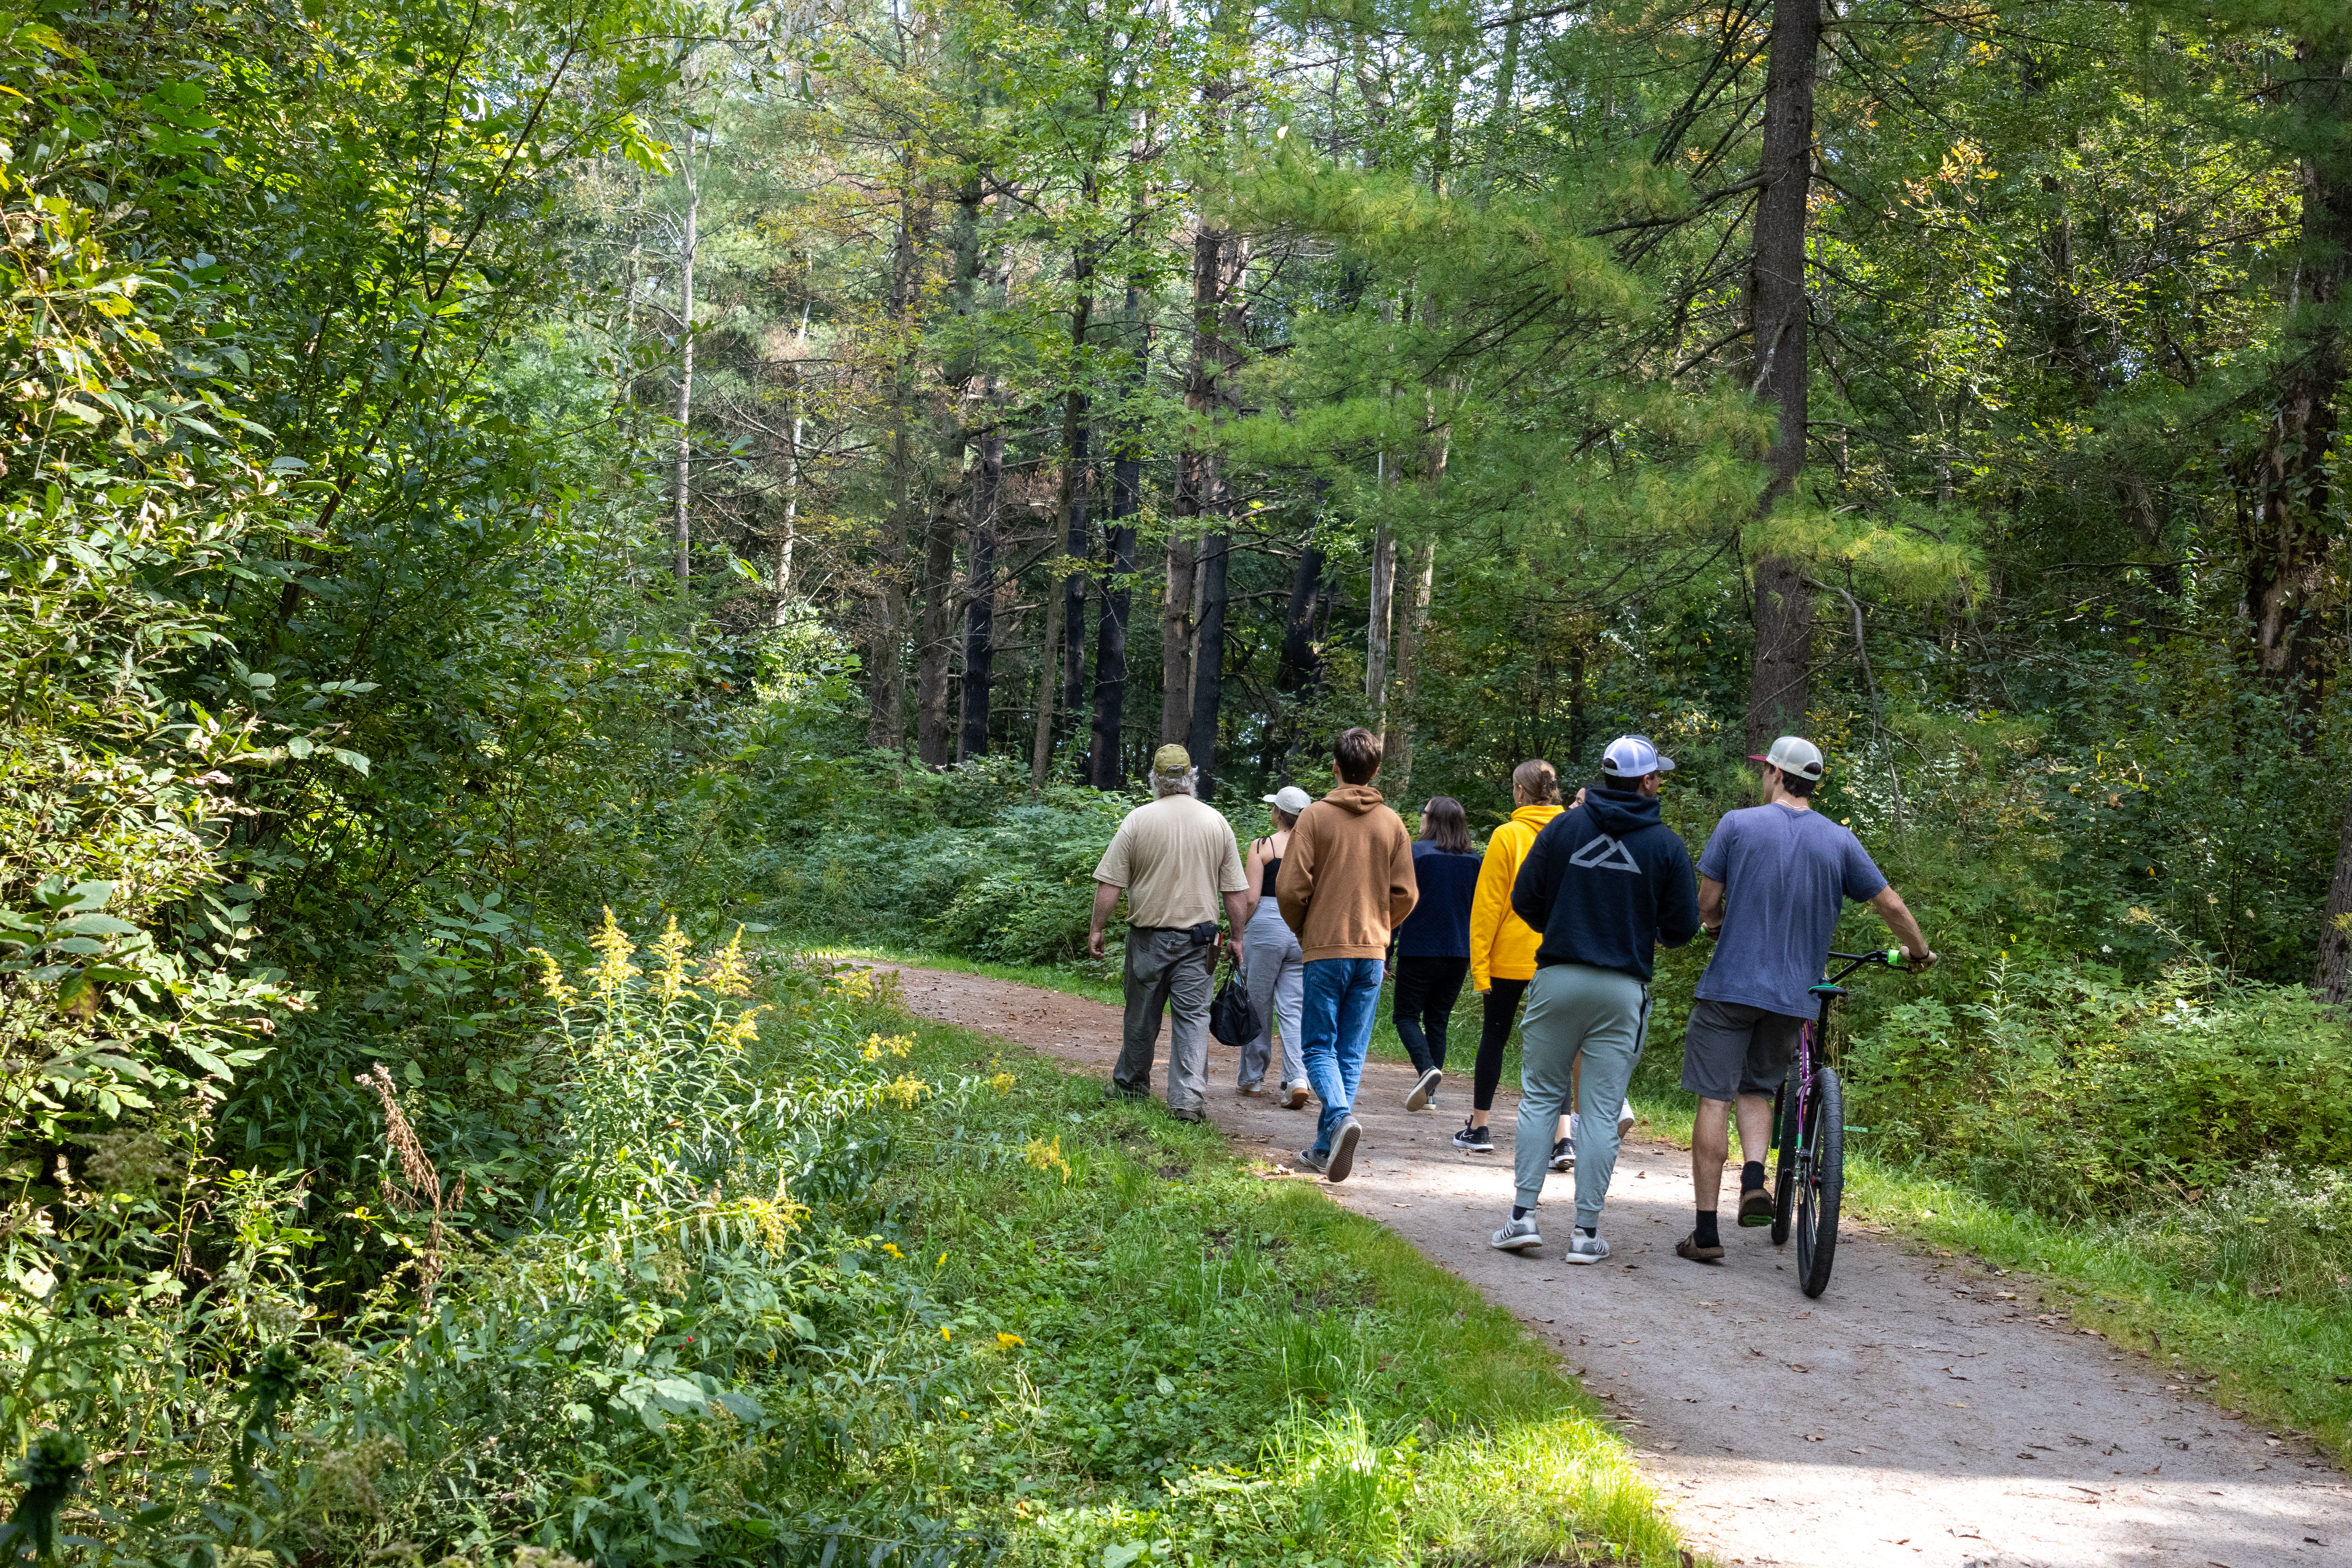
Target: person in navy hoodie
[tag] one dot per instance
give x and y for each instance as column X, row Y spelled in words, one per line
column 1432, row 951
column 1604, row 883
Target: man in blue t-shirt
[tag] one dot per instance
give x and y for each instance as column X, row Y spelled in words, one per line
column 1772, row 883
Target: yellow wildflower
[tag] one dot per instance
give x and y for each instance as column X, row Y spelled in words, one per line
column 552, row 978
column 671, row 947
column 904, row 1091
column 776, row 1219
column 946, row 1333
column 892, row 1248
column 1002, row 1082
column 1047, row 1156
column 612, row 971
column 724, row 972
column 877, row 1045
column 1006, row 1341
column 742, row 1031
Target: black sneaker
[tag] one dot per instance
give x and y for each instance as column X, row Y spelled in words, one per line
column 1424, row 1091
column 1563, row 1155
column 1343, row 1150
column 1474, row 1141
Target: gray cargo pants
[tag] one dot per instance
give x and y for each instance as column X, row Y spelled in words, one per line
column 1600, row 1014
column 1166, row 972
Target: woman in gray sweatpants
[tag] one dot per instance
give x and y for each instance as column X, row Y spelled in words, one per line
column 1273, row 968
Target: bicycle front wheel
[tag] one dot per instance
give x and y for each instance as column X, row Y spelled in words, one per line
column 1821, row 1181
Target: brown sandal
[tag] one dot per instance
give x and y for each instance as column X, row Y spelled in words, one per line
column 1757, row 1207
column 1688, row 1247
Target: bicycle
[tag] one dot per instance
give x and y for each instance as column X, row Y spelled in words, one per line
column 1809, row 1180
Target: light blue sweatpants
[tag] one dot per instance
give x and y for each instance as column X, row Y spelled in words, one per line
column 1602, row 1014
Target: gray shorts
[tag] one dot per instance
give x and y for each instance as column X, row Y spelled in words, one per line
column 1731, row 1049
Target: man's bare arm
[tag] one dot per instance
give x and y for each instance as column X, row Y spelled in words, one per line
column 1710, row 905
column 1106, row 900
column 1239, row 909
column 1899, row 919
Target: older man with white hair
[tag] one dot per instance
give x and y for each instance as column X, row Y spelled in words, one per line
column 1175, row 859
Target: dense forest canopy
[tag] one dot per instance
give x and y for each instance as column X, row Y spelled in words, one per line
column 475, row 466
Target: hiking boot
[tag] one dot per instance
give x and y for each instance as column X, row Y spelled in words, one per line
column 1296, row 1096
column 1563, row 1154
column 1517, row 1235
column 1474, row 1141
column 1424, row 1091
column 1584, row 1248
column 1343, row 1150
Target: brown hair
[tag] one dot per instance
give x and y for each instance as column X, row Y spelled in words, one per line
column 1357, row 754
column 1449, row 828
column 1798, row 784
column 1538, row 780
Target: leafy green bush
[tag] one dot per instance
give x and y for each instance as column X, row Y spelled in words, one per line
column 2069, row 1092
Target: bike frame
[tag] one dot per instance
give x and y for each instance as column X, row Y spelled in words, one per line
column 1797, row 1125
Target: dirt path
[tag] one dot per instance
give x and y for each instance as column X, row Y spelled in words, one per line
column 1922, row 1412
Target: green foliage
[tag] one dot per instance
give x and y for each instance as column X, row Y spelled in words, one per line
column 2072, row 1093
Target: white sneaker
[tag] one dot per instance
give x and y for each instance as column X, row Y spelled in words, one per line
column 1520, row 1235
column 1584, row 1248
column 1424, row 1091
column 1625, row 1119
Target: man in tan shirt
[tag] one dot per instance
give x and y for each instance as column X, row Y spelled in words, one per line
column 1176, row 860
column 1346, row 880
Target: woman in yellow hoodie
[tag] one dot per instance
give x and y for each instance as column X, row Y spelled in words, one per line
column 1502, row 945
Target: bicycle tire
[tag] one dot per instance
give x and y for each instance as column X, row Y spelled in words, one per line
column 1822, row 1187
column 1784, row 1175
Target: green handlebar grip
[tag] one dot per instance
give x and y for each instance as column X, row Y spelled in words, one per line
column 1896, row 958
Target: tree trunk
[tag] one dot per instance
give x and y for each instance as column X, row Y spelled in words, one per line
column 682, row 527
column 980, row 571
column 1379, row 622
column 1397, row 748
column 2333, row 978
column 1209, row 662
column 1782, row 671
column 934, row 733
column 1078, row 500
column 1103, row 765
column 886, row 725
column 2289, row 537
column 783, row 573
column 1176, row 645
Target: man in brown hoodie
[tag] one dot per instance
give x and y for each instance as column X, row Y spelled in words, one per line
column 1346, row 881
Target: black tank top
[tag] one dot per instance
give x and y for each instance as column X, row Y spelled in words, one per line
column 1272, row 869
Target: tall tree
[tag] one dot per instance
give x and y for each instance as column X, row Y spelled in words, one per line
column 1780, row 675
column 690, row 243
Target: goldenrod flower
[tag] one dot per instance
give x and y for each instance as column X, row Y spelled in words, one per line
column 904, row 1091
column 1047, row 1156
column 1006, row 1341
column 892, row 1248
column 613, row 971
column 1002, row 1082
column 671, row 947
column 724, row 972
column 552, row 978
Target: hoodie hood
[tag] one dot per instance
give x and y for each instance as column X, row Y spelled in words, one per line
column 1535, row 816
column 1354, row 799
column 1621, row 816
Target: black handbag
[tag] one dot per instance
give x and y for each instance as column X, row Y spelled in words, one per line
column 1232, row 1019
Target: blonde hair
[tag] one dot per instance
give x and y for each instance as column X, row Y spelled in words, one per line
column 1536, row 781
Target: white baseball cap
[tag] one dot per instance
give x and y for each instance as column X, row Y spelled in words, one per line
column 1793, row 755
column 1289, row 800
column 1634, row 757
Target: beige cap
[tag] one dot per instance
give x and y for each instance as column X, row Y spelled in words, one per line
column 1171, row 760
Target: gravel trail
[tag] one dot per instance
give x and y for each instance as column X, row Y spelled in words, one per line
column 1925, row 1410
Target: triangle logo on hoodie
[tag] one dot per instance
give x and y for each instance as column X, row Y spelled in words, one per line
column 1603, row 853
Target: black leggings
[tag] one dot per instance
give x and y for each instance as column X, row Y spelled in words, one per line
column 1425, row 991
column 1502, row 1010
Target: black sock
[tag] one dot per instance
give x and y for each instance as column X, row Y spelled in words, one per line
column 1707, row 1234
column 1751, row 1176
column 1517, row 1212
column 1587, row 1230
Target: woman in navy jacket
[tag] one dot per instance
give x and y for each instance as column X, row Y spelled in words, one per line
column 1433, row 945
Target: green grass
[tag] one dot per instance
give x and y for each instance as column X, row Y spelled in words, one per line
column 1175, row 1359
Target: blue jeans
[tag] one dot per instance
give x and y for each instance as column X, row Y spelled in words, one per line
column 1335, row 1028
